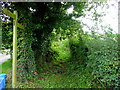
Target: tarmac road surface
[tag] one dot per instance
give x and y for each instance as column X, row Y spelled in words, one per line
column 4, row 57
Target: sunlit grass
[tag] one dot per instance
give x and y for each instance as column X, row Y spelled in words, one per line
column 6, row 67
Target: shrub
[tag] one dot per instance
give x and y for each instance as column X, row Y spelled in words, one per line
column 103, row 59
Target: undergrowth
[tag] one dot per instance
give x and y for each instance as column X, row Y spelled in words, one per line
column 69, row 76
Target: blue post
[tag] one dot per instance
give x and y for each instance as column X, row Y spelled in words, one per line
column 2, row 81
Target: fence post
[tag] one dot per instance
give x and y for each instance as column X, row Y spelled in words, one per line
column 14, row 66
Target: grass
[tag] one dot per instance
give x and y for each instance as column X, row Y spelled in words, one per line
column 57, row 81
column 72, row 77
column 6, row 67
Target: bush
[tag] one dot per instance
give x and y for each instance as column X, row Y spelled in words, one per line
column 67, row 47
column 103, row 59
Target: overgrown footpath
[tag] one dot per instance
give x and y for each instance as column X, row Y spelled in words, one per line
column 101, row 70
column 70, row 76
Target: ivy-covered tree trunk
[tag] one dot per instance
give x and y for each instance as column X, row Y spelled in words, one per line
column 26, row 61
column 39, row 19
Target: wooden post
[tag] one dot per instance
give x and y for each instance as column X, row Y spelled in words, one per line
column 15, row 25
column 14, row 66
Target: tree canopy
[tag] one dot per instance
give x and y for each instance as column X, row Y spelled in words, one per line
column 52, row 36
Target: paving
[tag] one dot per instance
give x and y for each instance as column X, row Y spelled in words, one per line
column 4, row 57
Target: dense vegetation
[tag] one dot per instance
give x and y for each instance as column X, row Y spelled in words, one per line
column 55, row 52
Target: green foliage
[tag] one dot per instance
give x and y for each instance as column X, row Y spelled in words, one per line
column 68, row 44
column 76, row 79
column 78, row 49
column 74, row 76
column 51, row 35
column 26, row 61
column 33, row 42
column 103, row 59
column 62, row 50
column 7, row 34
column 60, row 45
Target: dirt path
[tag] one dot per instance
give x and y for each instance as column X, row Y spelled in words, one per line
column 4, row 57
